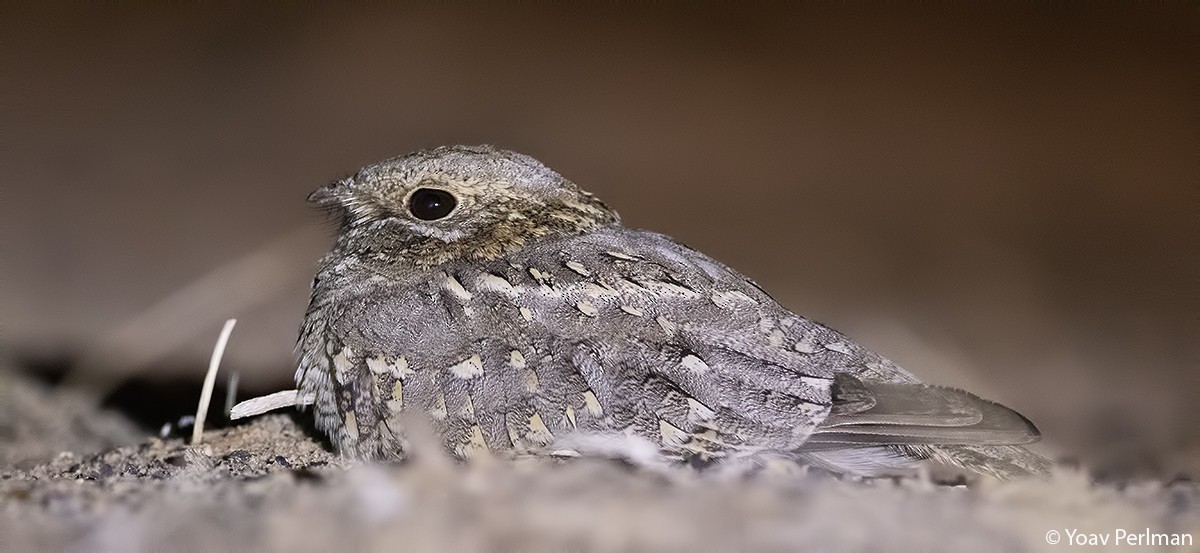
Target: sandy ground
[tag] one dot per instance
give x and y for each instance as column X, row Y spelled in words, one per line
column 269, row 485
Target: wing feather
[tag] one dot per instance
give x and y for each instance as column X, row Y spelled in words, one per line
column 629, row 331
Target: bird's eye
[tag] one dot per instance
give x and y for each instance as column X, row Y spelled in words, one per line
column 429, row 204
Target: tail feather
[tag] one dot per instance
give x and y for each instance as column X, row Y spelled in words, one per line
column 877, row 428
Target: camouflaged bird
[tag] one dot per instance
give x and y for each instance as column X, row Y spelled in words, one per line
column 480, row 287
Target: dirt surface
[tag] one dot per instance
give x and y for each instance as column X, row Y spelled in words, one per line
column 269, row 485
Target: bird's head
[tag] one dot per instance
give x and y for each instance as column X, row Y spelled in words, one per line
column 452, row 202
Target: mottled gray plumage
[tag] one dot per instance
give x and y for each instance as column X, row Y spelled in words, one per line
column 528, row 313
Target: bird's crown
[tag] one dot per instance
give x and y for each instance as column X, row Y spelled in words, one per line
column 434, row 205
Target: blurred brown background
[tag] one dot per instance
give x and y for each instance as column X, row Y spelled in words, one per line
column 1002, row 198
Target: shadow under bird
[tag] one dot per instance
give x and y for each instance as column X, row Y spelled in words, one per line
column 480, row 287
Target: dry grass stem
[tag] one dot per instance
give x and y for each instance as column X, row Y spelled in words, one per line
column 269, row 402
column 210, row 380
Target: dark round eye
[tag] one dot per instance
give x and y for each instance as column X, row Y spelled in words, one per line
column 428, row 204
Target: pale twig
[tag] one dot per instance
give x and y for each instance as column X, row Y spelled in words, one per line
column 231, row 393
column 270, row 402
column 210, row 380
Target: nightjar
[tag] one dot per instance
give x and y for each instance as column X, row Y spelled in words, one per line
column 480, row 287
